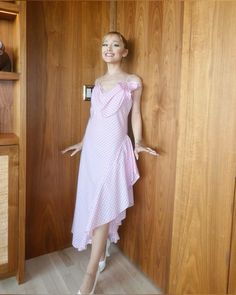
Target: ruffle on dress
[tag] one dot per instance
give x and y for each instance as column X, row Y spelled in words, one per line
column 106, row 200
column 113, row 196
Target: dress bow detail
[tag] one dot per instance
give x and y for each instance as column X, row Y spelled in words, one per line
column 109, row 102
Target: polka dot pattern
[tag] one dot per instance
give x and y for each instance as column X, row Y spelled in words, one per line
column 108, row 168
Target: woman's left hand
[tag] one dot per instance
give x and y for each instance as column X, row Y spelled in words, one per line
column 140, row 148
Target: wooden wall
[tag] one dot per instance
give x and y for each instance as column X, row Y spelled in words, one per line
column 185, row 53
column 232, row 265
column 66, row 38
column 154, row 29
column 206, row 158
column 63, row 54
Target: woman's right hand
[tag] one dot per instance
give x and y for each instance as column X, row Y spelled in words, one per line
column 76, row 147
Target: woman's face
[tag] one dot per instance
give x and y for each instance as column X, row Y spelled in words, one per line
column 113, row 49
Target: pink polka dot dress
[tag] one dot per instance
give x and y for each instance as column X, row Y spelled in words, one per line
column 107, row 167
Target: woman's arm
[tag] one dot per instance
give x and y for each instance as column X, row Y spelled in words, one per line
column 75, row 148
column 136, row 119
column 136, row 122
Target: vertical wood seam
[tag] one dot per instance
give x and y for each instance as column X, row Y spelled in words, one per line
column 231, row 238
column 22, row 151
column 113, row 15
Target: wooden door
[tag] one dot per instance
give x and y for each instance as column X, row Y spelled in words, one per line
column 8, row 210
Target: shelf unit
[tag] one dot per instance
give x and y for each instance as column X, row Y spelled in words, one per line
column 9, row 76
column 8, row 10
column 13, row 139
column 8, row 139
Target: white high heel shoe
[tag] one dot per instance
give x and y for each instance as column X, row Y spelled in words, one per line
column 102, row 264
column 94, row 285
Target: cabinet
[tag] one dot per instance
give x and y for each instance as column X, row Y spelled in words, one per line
column 13, row 140
column 8, row 209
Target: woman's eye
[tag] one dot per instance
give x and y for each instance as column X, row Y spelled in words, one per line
column 104, row 45
column 116, row 45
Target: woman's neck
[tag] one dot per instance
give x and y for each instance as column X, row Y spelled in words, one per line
column 113, row 69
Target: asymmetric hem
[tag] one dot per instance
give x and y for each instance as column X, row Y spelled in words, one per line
column 108, row 168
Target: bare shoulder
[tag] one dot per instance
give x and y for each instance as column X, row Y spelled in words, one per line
column 134, row 78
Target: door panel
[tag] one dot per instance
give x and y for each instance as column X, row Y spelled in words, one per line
column 63, row 52
column 206, row 158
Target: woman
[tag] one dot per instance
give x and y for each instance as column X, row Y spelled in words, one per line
column 107, row 166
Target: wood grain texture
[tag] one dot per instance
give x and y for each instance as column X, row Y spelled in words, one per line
column 153, row 29
column 20, row 107
column 113, row 16
column 7, row 101
column 9, row 76
column 8, row 11
column 62, row 272
column 10, row 267
column 231, row 288
column 206, row 159
column 8, row 139
column 193, row 257
column 63, row 54
column 13, row 110
column 9, row 7
column 6, row 106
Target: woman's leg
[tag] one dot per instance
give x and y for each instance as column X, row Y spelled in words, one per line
column 98, row 244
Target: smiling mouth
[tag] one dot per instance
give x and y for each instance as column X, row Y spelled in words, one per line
column 109, row 54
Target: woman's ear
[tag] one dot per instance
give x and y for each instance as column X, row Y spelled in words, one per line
column 125, row 53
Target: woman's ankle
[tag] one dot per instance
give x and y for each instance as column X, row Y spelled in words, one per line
column 87, row 284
